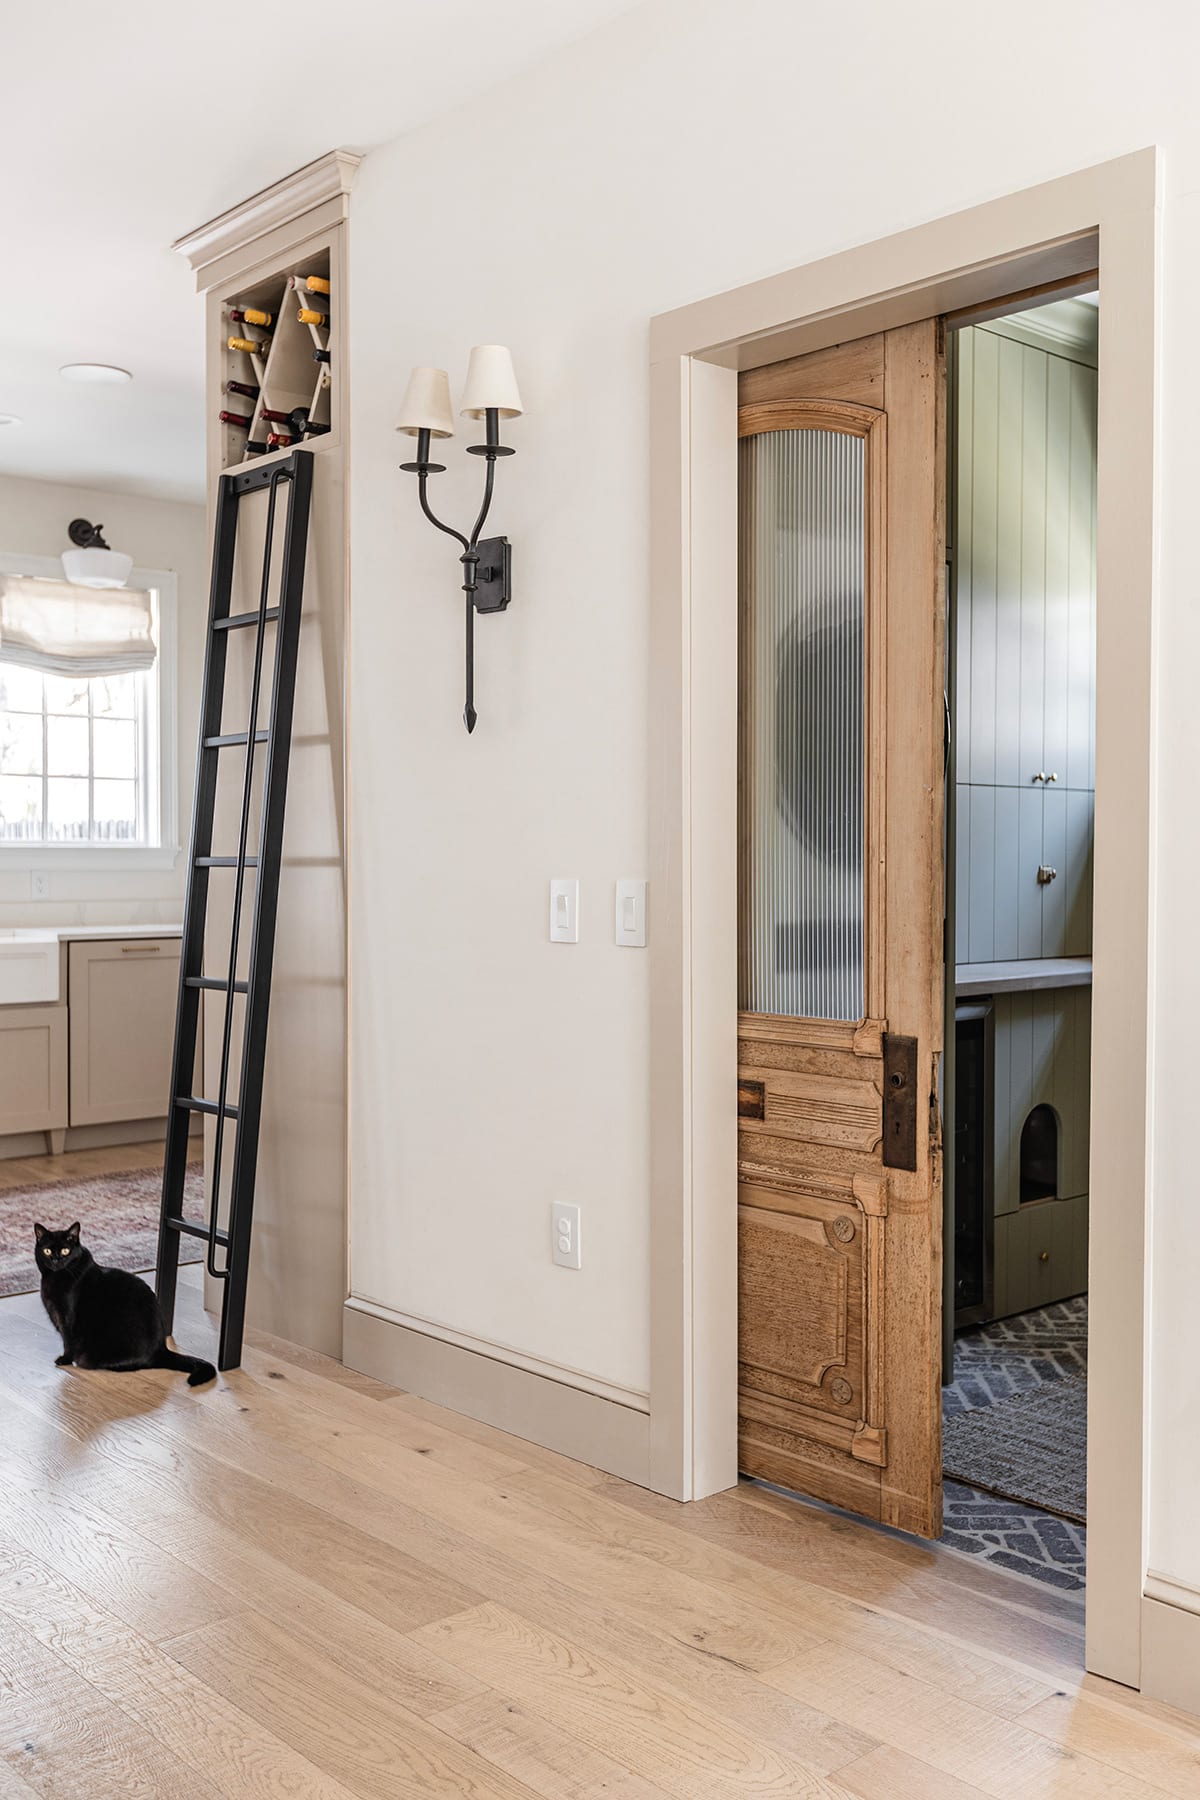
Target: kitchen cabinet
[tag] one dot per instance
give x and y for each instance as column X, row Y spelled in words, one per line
column 33, row 1068
column 121, row 1004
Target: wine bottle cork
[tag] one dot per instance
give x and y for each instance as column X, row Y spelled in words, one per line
column 307, row 316
column 249, row 345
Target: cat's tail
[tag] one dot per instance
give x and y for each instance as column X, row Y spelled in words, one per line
column 194, row 1367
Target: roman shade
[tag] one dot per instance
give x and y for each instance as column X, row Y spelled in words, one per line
column 62, row 628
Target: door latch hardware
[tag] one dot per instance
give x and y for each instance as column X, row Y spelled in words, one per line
column 899, row 1101
column 1046, row 875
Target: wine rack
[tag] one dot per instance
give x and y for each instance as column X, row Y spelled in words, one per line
column 277, row 342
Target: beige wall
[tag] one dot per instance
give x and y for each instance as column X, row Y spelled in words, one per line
column 683, row 150
column 158, row 534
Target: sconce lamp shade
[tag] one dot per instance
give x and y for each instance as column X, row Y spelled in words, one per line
column 426, row 405
column 97, row 568
column 491, row 382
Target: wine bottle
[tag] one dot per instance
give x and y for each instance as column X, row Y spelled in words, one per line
column 316, row 284
column 249, row 390
column 311, row 430
column 276, row 439
column 275, row 416
column 232, row 418
column 307, row 316
column 255, row 446
column 250, row 345
column 250, row 315
column 322, row 356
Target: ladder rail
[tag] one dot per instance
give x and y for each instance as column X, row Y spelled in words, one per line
column 204, row 797
column 262, row 930
column 220, row 1273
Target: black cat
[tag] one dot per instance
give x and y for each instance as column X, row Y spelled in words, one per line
column 107, row 1318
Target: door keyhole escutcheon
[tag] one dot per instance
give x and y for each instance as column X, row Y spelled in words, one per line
column 899, row 1101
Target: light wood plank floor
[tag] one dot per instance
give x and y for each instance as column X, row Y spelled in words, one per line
column 301, row 1583
column 77, row 1165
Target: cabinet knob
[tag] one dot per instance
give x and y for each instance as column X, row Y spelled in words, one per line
column 1042, row 776
column 1046, row 875
column 1044, row 1256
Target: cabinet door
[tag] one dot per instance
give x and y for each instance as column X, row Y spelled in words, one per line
column 33, row 1068
column 122, row 997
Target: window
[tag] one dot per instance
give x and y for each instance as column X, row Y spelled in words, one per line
column 88, row 763
column 75, row 761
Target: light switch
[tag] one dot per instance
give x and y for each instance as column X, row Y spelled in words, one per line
column 564, row 912
column 630, row 922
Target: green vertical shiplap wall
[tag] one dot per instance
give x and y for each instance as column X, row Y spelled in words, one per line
column 1025, row 549
column 1026, row 582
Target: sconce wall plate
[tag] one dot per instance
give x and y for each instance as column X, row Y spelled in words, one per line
column 493, row 577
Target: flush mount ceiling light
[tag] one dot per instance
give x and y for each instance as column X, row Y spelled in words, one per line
column 92, row 563
column 491, row 395
column 96, row 373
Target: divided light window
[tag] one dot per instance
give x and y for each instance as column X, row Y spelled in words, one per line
column 78, row 758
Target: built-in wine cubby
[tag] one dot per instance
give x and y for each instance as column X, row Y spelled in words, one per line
column 279, row 362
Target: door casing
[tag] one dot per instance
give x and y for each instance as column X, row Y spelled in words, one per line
column 1105, row 216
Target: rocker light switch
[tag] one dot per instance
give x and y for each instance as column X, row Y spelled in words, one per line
column 564, row 912
column 630, row 922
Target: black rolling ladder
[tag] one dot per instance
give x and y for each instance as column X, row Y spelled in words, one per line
column 227, row 1255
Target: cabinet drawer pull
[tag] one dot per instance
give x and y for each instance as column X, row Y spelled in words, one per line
column 140, row 949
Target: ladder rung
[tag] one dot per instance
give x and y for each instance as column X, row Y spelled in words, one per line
column 212, row 981
column 232, row 738
column 190, row 1103
column 236, row 621
column 197, row 1231
column 224, row 862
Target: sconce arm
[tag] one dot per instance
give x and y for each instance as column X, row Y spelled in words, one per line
column 488, row 484
column 449, row 530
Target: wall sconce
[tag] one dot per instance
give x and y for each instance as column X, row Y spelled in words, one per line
column 490, row 394
column 92, row 563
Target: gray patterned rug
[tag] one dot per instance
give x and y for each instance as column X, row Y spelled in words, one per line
column 1031, row 1447
column 118, row 1212
column 993, row 1364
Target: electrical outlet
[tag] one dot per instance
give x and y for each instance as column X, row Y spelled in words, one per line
column 39, row 885
column 564, row 1235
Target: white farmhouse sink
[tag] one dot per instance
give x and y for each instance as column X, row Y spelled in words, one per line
column 28, row 966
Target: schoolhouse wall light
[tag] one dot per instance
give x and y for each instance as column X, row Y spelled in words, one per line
column 490, row 394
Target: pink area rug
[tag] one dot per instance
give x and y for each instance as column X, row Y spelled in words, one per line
column 118, row 1212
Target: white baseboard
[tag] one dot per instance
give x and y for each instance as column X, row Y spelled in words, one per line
column 1171, row 1591
column 1171, row 1648
column 547, row 1408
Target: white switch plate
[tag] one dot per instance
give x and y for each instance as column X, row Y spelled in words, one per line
column 564, row 1235
column 630, row 918
column 39, row 884
column 564, row 912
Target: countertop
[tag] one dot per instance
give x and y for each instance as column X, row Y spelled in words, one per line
column 65, row 934
column 1022, row 977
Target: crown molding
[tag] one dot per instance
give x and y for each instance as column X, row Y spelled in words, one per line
column 328, row 179
column 1067, row 328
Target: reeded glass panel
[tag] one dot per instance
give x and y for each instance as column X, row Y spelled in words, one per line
column 801, row 542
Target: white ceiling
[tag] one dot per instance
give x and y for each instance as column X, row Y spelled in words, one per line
column 127, row 125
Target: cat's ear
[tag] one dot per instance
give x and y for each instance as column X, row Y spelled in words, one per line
column 39, row 1231
column 72, row 1231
